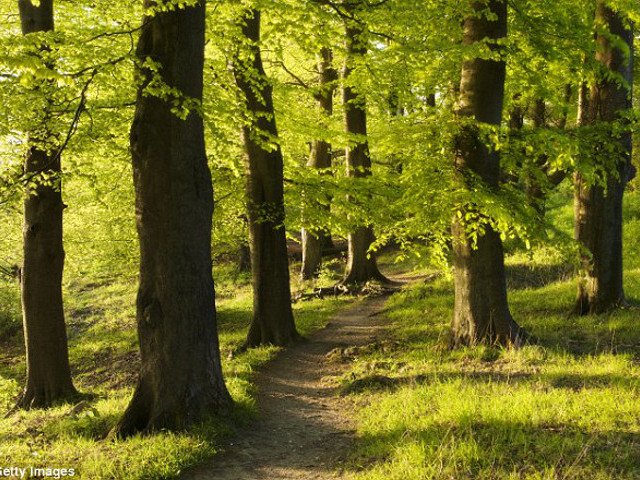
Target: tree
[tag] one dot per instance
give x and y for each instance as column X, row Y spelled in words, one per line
column 180, row 380
column 538, row 178
column 598, row 207
column 48, row 372
column 313, row 241
column 361, row 263
column 481, row 312
column 273, row 321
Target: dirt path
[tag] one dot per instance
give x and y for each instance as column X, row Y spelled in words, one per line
column 302, row 431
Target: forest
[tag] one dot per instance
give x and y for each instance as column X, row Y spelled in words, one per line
column 320, row 239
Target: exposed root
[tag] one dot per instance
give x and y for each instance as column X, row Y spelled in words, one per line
column 41, row 398
column 258, row 339
column 368, row 289
column 148, row 413
column 586, row 306
column 514, row 337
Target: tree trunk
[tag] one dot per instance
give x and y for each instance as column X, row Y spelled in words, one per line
column 244, row 251
column 534, row 190
column 273, row 321
column 48, row 372
column 361, row 263
column 481, row 311
column 313, row 241
column 180, row 380
column 598, row 210
column 244, row 258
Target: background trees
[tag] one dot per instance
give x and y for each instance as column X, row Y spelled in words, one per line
column 48, row 372
column 598, row 207
column 272, row 316
column 313, row 242
column 361, row 261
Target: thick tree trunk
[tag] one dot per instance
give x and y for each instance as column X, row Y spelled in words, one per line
column 598, row 210
column 273, row 321
column 314, row 241
column 180, row 380
column 361, row 263
column 48, row 373
column 481, row 311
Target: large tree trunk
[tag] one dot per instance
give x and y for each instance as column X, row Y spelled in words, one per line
column 598, row 210
column 272, row 315
column 481, row 311
column 48, row 372
column 313, row 241
column 361, row 263
column 180, row 380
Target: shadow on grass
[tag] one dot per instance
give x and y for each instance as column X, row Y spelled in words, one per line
column 234, row 319
column 522, row 276
column 570, row 381
column 475, row 449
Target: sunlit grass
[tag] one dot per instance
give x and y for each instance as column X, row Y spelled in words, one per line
column 564, row 408
column 103, row 353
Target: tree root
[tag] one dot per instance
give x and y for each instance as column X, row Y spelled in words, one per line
column 368, row 289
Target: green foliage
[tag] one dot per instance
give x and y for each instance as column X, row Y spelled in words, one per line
column 9, row 307
column 415, row 51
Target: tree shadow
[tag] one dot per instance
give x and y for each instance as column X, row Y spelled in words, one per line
column 471, row 448
column 521, row 276
column 569, row 381
column 233, row 319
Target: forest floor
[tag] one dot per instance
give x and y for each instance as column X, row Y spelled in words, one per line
column 303, row 430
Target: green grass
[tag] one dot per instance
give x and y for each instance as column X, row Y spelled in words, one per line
column 564, row 408
column 103, row 353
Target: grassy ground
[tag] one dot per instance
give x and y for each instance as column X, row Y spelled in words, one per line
column 564, row 408
column 103, row 351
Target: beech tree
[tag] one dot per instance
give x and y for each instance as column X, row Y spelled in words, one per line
column 273, row 321
column 361, row 262
column 598, row 205
column 313, row 241
column 180, row 380
column 481, row 311
column 48, row 372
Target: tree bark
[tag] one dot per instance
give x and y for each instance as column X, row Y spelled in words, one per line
column 273, row 321
column 598, row 209
column 534, row 190
column 48, row 372
column 314, row 241
column 361, row 263
column 180, row 381
column 244, row 258
column 481, row 311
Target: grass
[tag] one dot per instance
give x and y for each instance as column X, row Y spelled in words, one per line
column 103, row 353
column 564, row 408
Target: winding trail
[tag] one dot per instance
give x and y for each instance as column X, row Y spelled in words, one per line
column 303, row 430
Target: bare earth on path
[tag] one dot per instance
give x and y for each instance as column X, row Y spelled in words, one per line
column 302, row 430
